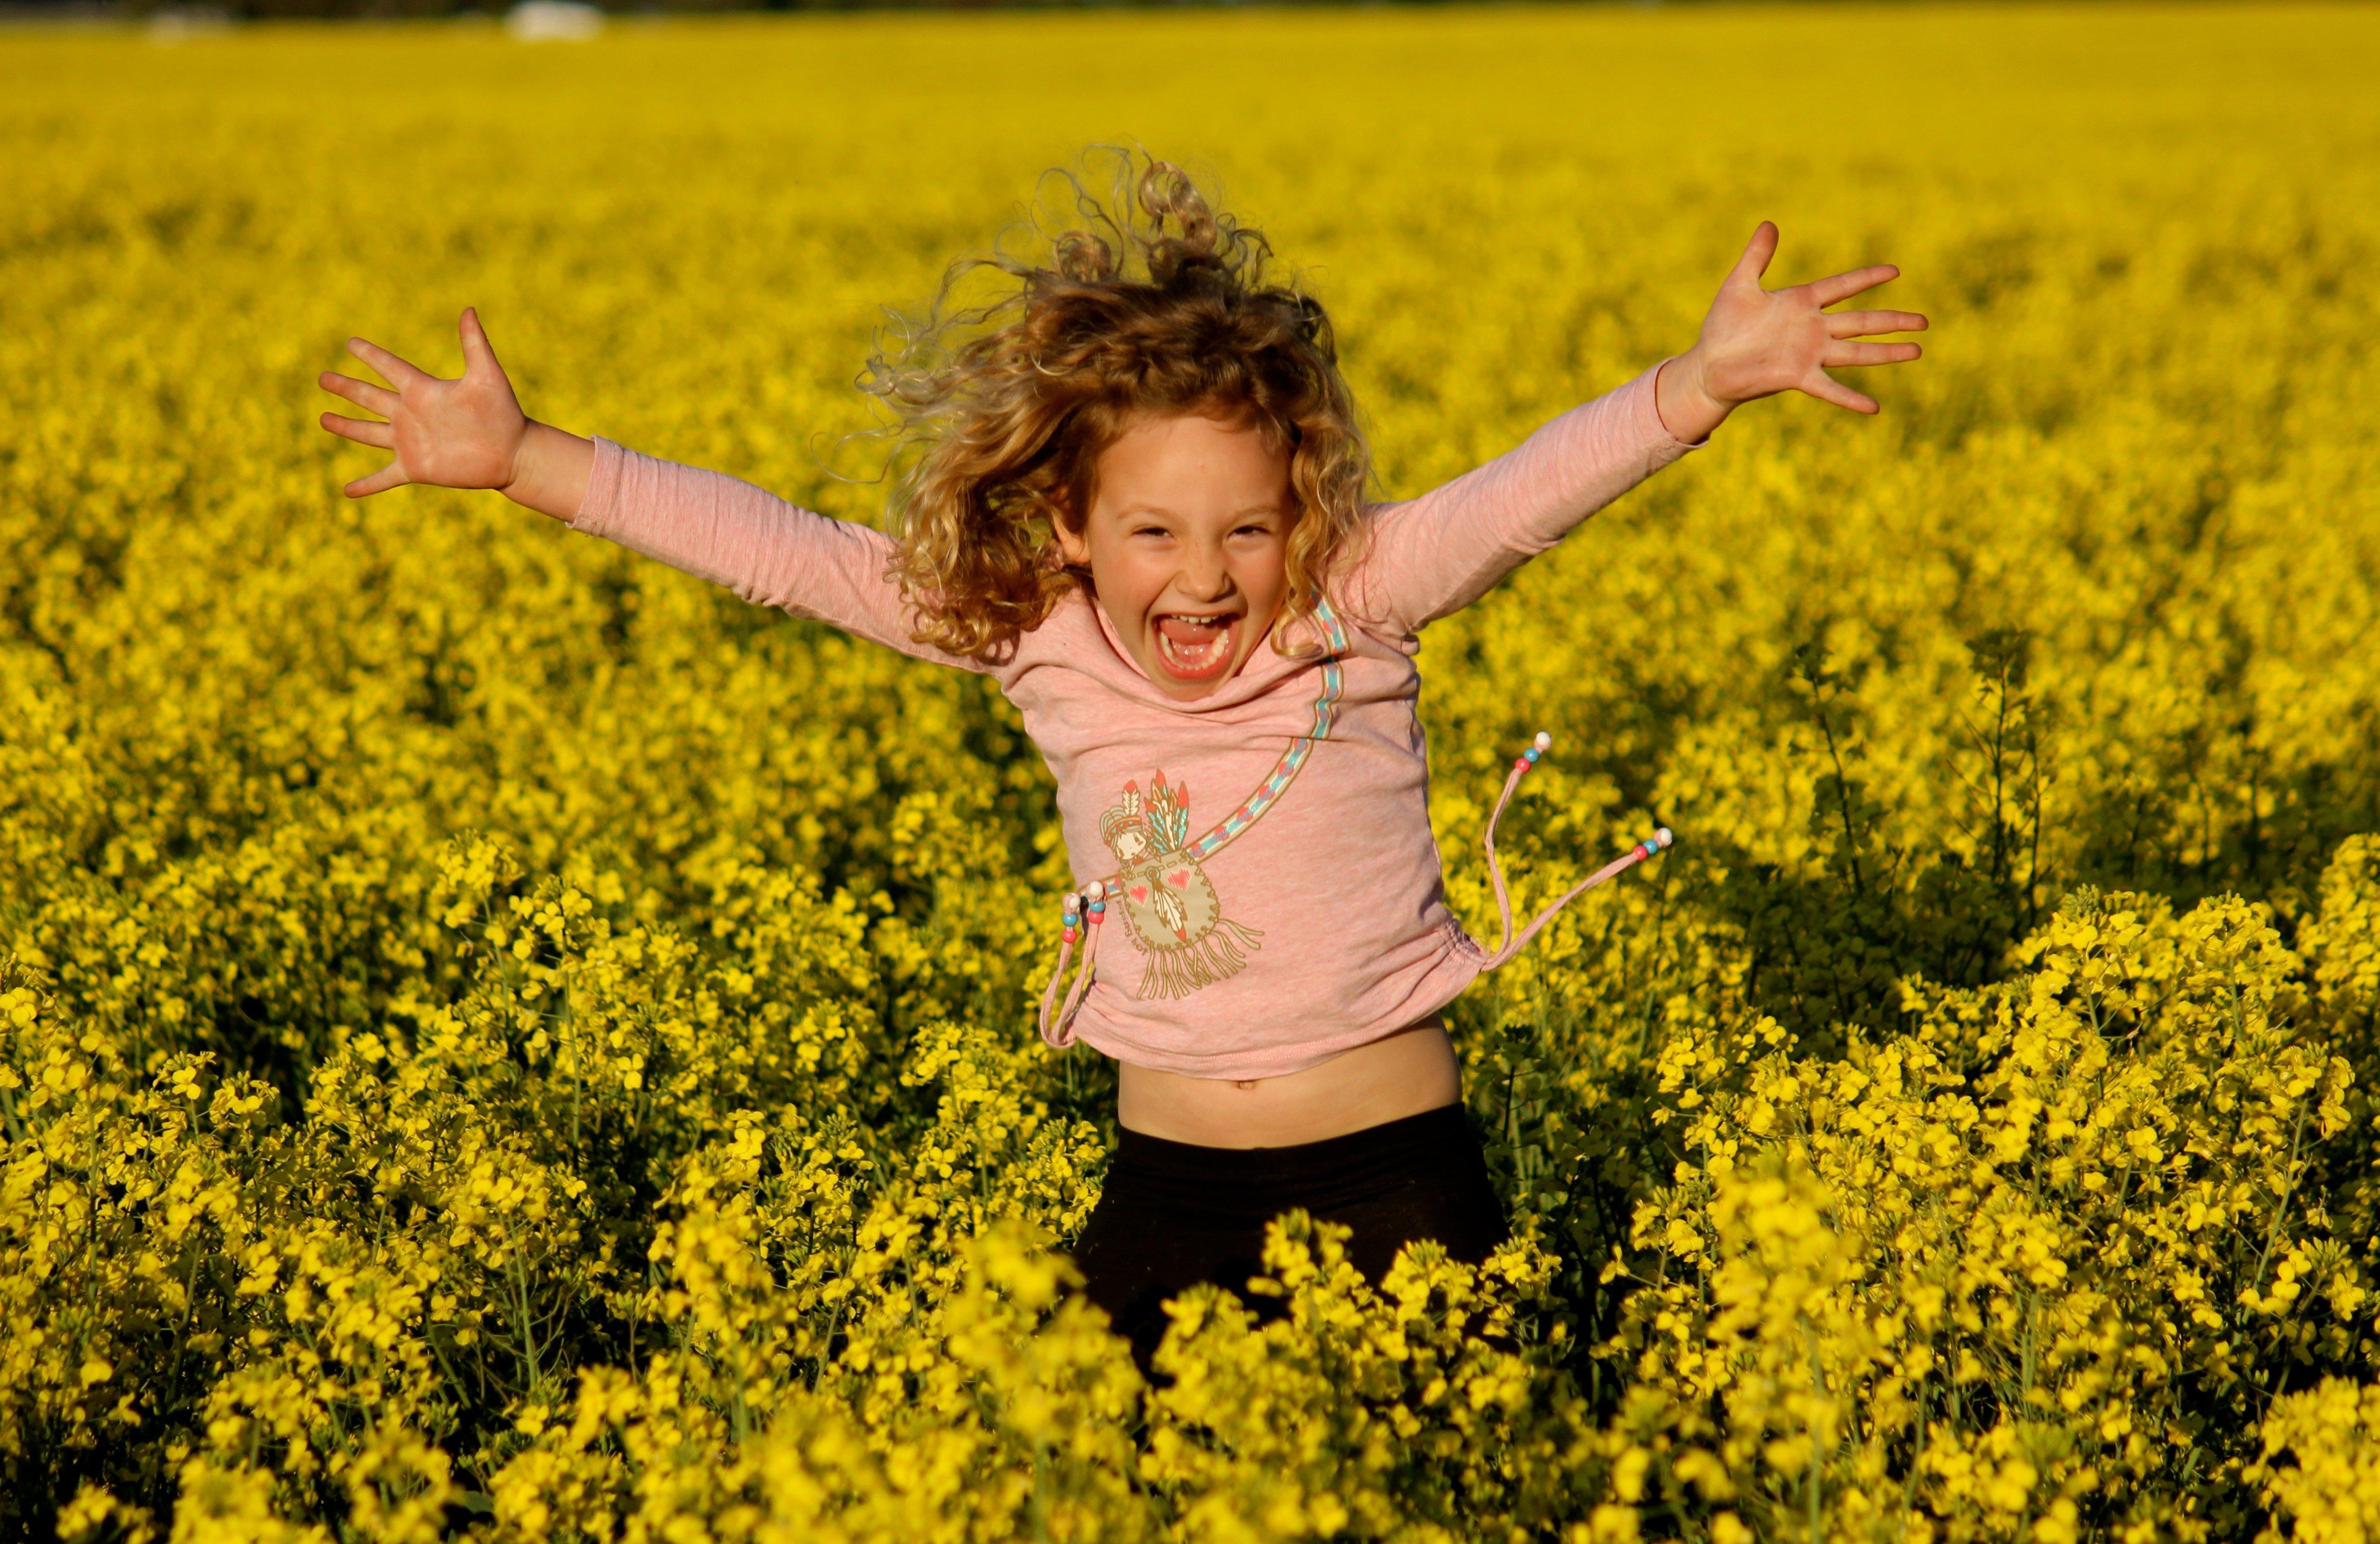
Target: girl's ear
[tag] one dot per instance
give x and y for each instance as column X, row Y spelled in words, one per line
column 1073, row 546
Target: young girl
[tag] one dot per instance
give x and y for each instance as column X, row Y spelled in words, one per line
column 1138, row 503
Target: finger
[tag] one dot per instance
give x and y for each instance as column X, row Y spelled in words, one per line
column 363, row 394
column 479, row 355
column 1851, row 325
column 1757, row 255
column 1858, row 354
column 381, row 482
column 1826, row 388
column 1842, row 287
column 363, row 431
column 397, row 372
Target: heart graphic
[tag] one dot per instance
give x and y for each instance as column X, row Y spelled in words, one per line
column 1140, row 893
column 1179, row 878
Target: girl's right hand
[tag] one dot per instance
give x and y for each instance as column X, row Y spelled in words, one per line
column 462, row 433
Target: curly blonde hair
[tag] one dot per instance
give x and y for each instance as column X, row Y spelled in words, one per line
column 1157, row 304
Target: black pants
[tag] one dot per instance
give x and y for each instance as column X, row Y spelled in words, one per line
column 1173, row 1214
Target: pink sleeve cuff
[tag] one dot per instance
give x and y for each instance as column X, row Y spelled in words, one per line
column 596, row 508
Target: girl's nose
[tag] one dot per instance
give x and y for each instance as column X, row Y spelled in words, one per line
column 1206, row 575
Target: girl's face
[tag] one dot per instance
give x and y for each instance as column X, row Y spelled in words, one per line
column 1187, row 540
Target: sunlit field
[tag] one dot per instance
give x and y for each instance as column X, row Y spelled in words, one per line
column 503, row 1038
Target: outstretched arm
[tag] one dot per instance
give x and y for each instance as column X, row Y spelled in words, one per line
column 1435, row 554
column 470, row 432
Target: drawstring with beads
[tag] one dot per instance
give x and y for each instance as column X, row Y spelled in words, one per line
column 1079, row 918
column 1652, row 845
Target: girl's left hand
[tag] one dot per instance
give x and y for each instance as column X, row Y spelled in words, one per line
column 1758, row 342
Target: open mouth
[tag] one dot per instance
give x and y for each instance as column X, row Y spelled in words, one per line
column 1196, row 648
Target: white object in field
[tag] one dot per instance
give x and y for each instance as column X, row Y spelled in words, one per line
column 553, row 21
column 173, row 23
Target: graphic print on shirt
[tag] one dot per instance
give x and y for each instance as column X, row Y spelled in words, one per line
column 1168, row 904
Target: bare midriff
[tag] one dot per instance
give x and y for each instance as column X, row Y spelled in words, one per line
column 1405, row 1073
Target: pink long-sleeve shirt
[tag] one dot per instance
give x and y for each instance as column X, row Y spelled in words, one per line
column 1274, row 891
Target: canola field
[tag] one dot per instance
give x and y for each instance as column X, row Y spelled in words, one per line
column 499, row 1039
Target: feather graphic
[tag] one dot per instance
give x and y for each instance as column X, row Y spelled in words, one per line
column 1169, row 814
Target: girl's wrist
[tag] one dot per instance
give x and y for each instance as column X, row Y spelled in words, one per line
column 1685, row 405
column 550, row 467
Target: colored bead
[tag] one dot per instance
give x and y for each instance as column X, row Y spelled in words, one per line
column 1542, row 743
column 1530, row 755
column 1098, row 888
column 1068, row 936
column 1664, row 836
column 1522, row 765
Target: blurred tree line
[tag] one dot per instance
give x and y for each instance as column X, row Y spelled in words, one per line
column 258, row 10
